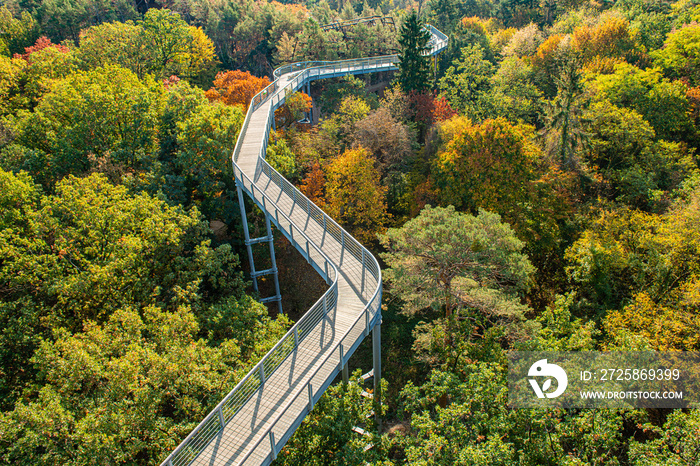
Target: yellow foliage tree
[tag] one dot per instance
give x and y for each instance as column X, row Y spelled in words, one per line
column 644, row 271
column 610, row 39
column 354, row 195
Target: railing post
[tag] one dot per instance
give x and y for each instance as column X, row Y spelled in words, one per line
column 362, row 288
column 311, row 397
column 342, row 246
column 377, row 363
column 221, row 418
column 296, row 336
column 262, row 373
column 366, row 321
column 273, row 446
column 343, row 366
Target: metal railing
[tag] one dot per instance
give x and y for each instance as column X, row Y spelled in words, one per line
column 368, row 276
column 438, row 42
column 198, row 439
column 357, row 65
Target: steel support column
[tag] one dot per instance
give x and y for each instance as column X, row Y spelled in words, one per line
column 346, row 372
column 311, row 110
column 246, row 232
column 377, row 362
column 271, row 243
column 249, row 246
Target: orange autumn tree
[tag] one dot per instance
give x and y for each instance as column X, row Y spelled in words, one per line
column 496, row 165
column 294, row 108
column 314, row 185
column 236, row 88
column 611, row 40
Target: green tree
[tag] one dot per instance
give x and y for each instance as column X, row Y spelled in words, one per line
column 563, row 131
column 414, row 67
column 471, row 268
column 106, row 112
column 644, row 265
column 664, row 104
column 16, row 33
column 679, row 56
column 467, row 82
column 205, row 139
column 64, row 19
column 281, row 158
column 513, row 95
column 162, row 44
column 635, row 169
column 673, row 444
column 127, row 390
column 473, row 429
column 113, row 43
column 111, row 250
column 327, row 437
column 93, row 249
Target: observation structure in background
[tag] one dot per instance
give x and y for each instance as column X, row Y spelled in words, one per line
column 255, row 420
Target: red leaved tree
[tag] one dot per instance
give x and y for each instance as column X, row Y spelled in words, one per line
column 236, row 88
column 41, row 43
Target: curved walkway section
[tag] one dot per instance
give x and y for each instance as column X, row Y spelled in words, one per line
column 254, row 421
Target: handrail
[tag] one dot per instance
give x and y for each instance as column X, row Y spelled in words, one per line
column 224, row 411
column 437, row 43
column 342, row 361
column 217, row 419
column 337, row 64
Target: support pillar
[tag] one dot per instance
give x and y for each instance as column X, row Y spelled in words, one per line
column 435, row 60
column 246, row 232
column 271, row 243
column 346, row 373
column 311, row 111
column 377, row 360
column 249, row 246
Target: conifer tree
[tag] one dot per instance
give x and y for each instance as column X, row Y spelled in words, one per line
column 414, row 67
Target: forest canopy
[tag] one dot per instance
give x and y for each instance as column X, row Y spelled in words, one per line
column 534, row 186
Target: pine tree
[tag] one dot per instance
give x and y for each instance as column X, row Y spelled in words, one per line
column 564, row 132
column 414, row 67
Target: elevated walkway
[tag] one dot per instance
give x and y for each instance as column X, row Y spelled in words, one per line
column 254, row 421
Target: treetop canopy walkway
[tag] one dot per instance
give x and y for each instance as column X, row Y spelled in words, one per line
column 255, row 420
